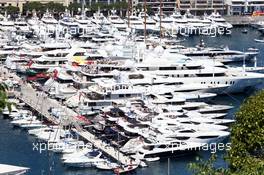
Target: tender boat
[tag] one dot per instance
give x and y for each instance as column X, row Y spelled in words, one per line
column 12, row 170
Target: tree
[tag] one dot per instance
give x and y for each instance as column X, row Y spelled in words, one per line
column 103, row 6
column 11, row 10
column 3, row 98
column 207, row 167
column 55, row 7
column 30, row 6
column 247, row 136
column 74, row 7
column 246, row 155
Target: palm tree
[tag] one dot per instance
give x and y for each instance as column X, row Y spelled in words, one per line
column 3, row 97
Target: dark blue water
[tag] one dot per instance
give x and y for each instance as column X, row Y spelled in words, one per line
column 16, row 145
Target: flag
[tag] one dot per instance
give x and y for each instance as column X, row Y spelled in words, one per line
column 75, row 64
column 55, row 74
column 30, row 63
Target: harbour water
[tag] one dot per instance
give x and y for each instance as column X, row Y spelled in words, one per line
column 16, row 145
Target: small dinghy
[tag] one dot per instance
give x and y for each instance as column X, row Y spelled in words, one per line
column 125, row 169
column 106, row 165
column 10, row 169
column 259, row 40
column 245, row 31
column 152, row 159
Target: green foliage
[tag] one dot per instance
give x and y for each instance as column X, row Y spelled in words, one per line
column 3, row 97
column 74, row 7
column 55, row 7
column 11, row 9
column 246, row 156
column 30, row 6
column 247, row 136
column 41, row 7
column 207, row 167
column 103, row 6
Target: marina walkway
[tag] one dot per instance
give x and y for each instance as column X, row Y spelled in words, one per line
column 111, row 151
column 40, row 102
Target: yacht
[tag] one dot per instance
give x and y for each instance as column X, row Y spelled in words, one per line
column 61, row 87
column 103, row 37
column 100, row 20
column 186, row 72
column 13, row 111
column 21, row 122
column 117, row 22
column 150, row 23
column 88, row 160
column 50, row 59
column 7, row 25
column 179, row 24
column 37, row 131
column 65, row 146
column 34, row 20
column 194, row 23
column 224, row 55
column 218, row 20
column 103, row 95
column 165, row 148
column 50, row 23
column 54, row 44
column 77, row 153
column 107, row 165
column 134, row 22
column 163, row 21
column 191, row 135
column 84, row 24
column 48, row 18
column 22, row 25
column 68, row 26
column 52, row 135
column 12, row 170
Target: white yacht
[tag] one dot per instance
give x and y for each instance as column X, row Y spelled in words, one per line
column 100, row 20
column 21, row 122
column 48, row 18
column 50, row 59
column 68, row 25
column 224, row 55
column 61, row 87
column 7, row 25
column 12, row 170
column 77, row 153
column 194, row 23
column 117, row 22
column 150, row 22
column 183, row 71
column 50, row 23
column 165, row 148
column 22, row 25
column 179, row 24
column 134, row 22
column 106, row 94
column 88, row 160
column 217, row 19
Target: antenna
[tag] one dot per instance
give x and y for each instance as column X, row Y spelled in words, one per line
column 129, row 13
column 145, row 20
column 244, row 64
column 160, row 19
column 255, row 61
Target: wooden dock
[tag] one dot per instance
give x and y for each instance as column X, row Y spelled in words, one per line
column 40, row 102
column 106, row 148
